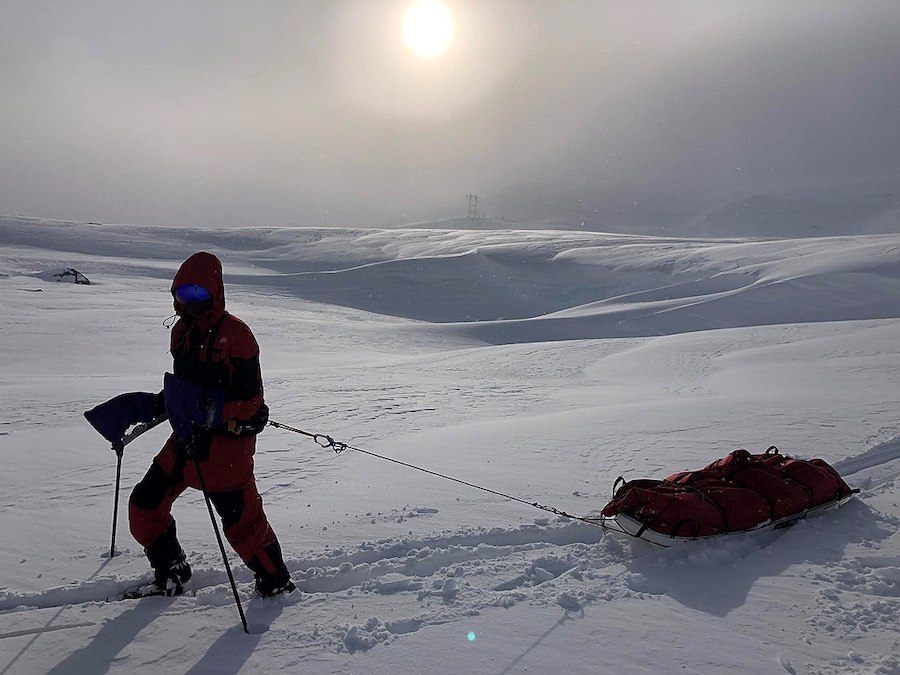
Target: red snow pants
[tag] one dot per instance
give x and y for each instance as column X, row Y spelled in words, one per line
column 227, row 470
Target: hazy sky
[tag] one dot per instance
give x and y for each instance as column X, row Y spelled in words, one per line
column 205, row 112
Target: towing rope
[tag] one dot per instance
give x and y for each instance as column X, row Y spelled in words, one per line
column 327, row 441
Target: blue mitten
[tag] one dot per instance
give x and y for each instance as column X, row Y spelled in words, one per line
column 113, row 418
column 191, row 405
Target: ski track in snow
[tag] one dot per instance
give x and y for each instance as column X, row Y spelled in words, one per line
column 439, row 579
column 430, row 581
column 873, row 467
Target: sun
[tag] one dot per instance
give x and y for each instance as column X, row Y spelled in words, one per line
column 428, row 27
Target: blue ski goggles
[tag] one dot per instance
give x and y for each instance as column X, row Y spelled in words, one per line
column 188, row 293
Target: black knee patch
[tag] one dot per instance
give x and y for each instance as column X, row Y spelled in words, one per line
column 150, row 492
column 230, row 506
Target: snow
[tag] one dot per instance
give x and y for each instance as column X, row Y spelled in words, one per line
column 536, row 364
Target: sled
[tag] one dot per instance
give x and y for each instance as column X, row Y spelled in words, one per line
column 738, row 494
column 625, row 524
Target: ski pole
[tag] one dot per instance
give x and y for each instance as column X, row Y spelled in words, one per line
column 112, row 544
column 119, row 449
column 212, row 517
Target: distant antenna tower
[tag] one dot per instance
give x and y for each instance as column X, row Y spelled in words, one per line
column 473, row 206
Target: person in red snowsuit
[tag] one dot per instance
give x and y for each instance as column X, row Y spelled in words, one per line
column 215, row 404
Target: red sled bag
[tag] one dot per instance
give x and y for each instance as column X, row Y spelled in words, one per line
column 736, row 493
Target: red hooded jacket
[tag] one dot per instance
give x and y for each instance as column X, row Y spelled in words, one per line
column 215, row 348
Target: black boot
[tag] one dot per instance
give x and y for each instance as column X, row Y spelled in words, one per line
column 170, row 579
column 170, row 566
column 274, row 584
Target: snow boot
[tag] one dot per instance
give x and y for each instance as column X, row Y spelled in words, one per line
column 170, row 579
column 276, row 583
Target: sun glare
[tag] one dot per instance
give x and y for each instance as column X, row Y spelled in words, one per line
column 428, row 27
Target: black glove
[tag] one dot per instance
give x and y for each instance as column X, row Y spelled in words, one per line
column 251, row 427
column 113, row 418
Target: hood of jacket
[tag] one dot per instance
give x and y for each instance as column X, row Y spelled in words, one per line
column 203, row 269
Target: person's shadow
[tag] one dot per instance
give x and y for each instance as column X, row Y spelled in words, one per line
column 230, row 652
column 113, row 637
column 227, row 654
